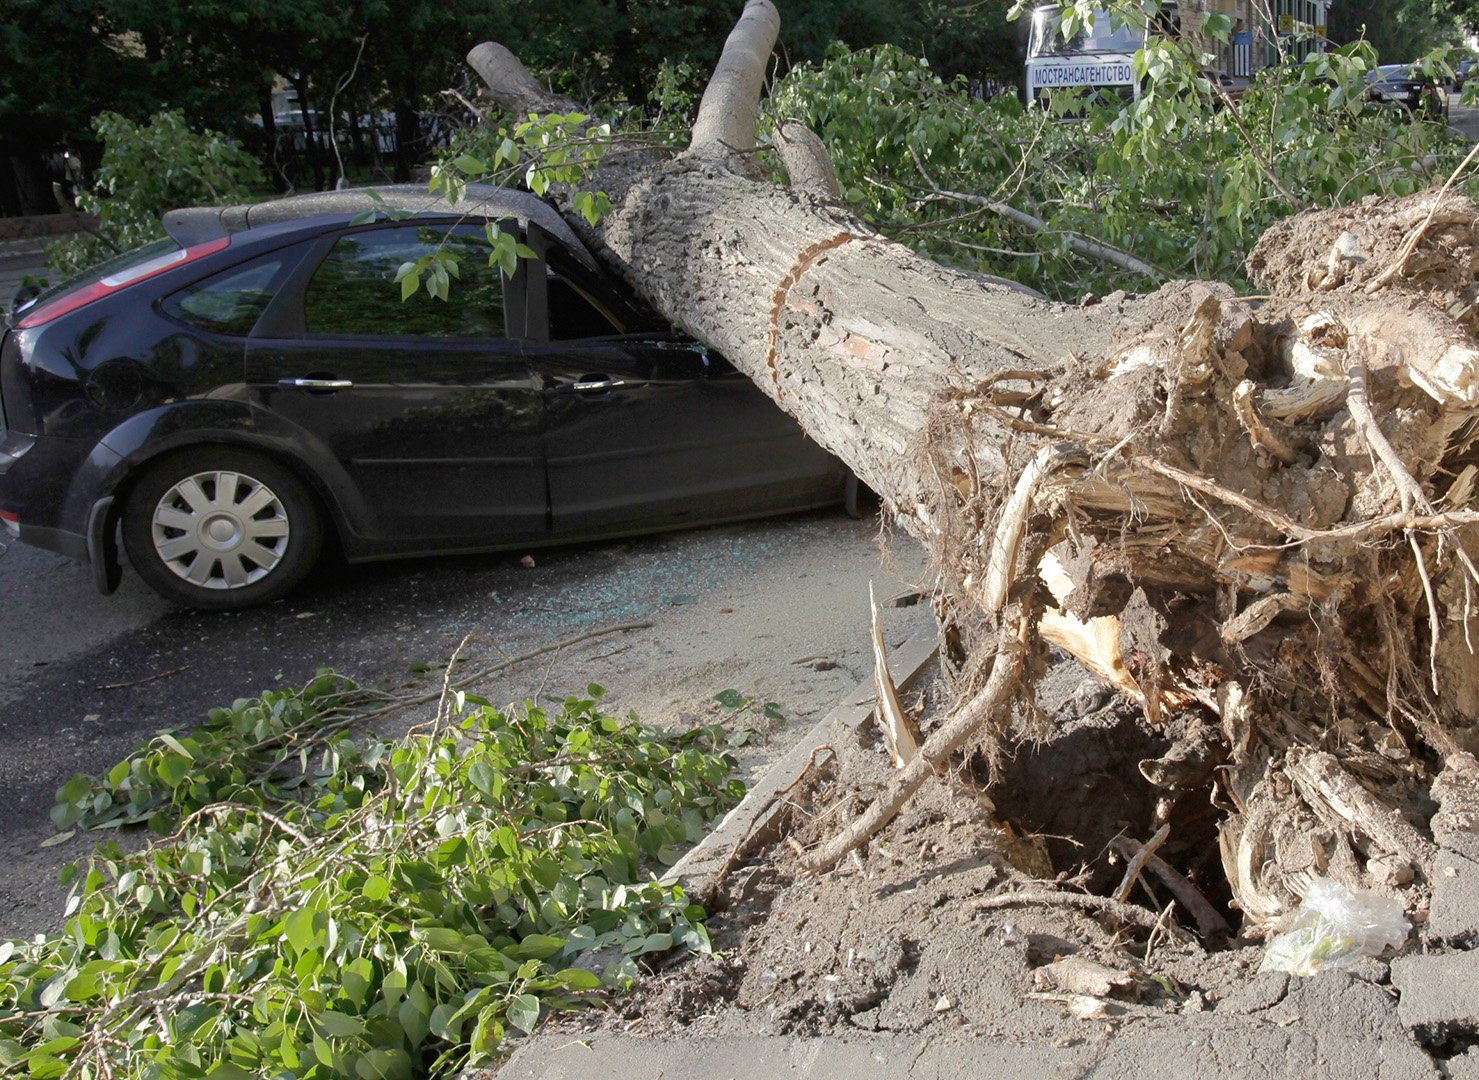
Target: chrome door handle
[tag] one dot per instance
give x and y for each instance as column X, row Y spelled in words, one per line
column 317, row 384
column 591, row 385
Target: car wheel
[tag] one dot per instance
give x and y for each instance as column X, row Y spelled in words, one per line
column 217, row 528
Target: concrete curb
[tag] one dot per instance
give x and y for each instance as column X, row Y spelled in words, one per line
column 760, row 816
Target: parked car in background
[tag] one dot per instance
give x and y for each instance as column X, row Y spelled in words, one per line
column 1462, row 72
column 236, row 397
column 1407, row 86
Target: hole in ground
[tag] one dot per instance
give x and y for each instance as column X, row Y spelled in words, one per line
column 1083, row 787
column 1447, row 1041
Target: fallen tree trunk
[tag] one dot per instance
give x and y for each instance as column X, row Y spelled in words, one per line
column 1268, row 505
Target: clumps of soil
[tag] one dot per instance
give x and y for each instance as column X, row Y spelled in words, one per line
column 1294, row 256
column 888, row 943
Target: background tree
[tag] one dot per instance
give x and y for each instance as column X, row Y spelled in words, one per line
column 218, row 62
column 1399, row 30
column 60, row 62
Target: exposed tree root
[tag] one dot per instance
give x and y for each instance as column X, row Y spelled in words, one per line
column 1127, row 913
column 988, row 706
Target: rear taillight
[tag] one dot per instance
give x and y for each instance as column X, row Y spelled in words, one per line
column 106, row 286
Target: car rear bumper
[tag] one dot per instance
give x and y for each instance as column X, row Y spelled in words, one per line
column 54, row 495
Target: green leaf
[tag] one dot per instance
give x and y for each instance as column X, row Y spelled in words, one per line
column 537, row 947
column 173, row 768
column 441, row 939
column 480, row 775
column 414, row 1022
column 579, row 979
column 82, row 987
column 443, row 1025
column 523, row 1012
column 300, row 929
column 375, row 888
column 225, row 1070
column 470, row 165
column 337, row 1025
column 175, row 745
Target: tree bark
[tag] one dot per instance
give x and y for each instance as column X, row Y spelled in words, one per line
column 1189, row 460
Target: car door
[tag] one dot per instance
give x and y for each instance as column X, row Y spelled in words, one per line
column 646, row 429
column 428, row 404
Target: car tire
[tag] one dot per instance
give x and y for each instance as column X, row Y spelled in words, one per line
column 216, row 528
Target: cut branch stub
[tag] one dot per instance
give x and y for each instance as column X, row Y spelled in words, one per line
column 808, row 165
column 510, row 83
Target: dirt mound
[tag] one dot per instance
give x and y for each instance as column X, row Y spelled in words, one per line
column 1349, row 249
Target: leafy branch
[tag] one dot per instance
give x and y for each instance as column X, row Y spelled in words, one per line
column 397, row 912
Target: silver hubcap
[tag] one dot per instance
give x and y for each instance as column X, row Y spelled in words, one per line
column 220, row 530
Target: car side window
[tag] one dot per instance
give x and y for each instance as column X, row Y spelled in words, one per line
column 353, row 292
column 230, row 302
column 573, row 314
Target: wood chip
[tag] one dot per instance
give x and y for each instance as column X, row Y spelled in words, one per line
column 1079, row 975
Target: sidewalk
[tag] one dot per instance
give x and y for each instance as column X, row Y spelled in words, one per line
column 19, row 258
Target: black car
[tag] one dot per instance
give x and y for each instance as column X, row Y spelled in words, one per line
column 1406, row 85
column 233, row 398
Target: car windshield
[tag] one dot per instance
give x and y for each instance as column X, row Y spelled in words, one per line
column 1096, row 36
column 117, row 265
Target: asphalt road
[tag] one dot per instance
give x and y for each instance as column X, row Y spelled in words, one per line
column 83, row 677
column 1464, row 120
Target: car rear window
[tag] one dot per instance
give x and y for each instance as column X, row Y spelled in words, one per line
column 118, row 266
column 353, row 291
column 230, row 302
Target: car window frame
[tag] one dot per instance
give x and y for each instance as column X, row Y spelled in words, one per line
column 285, row 318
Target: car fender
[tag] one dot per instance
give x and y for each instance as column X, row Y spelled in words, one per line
column 146, row 436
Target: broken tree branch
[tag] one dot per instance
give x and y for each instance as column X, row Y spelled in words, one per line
column 1128, row 913
column 808, row 165
column 1079, row 245
column 1210, row 923
column 903, row 743
column 511, row 84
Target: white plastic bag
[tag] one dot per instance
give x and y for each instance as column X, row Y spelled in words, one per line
column 1333, row 927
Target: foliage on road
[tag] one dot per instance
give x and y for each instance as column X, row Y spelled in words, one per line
column 376, row 910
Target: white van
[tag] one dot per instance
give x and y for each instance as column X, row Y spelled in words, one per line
column 1096, row 56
